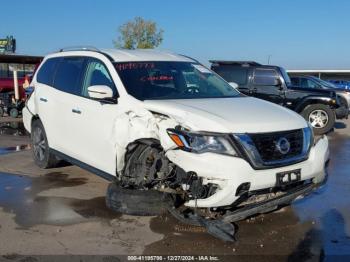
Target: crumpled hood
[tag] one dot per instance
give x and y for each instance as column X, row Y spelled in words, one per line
column 228, row 115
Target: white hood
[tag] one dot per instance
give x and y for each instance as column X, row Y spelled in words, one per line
column 228, row 115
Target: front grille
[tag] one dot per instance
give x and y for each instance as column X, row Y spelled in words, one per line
column 266, row 145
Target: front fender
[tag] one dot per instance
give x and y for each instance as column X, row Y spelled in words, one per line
column 331, row 102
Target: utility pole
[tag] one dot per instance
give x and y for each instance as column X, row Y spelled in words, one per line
column 268, row 59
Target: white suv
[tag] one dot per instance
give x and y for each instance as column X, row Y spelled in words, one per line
column 153, row 121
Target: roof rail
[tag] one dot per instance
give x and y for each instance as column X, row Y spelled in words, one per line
column 228, row 62
column 189, row 58
column 79, row 48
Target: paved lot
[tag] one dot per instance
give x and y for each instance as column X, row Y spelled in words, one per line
column 62, row 211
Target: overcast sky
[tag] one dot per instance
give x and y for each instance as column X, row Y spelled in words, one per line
column 296, row 34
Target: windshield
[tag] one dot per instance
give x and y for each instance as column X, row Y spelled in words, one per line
column 172, row 80
column 285, row 77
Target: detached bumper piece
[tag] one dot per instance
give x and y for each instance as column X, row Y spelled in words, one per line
column 223, row 228
column 268, row 205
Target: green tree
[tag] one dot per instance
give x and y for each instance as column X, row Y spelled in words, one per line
column 139, row 33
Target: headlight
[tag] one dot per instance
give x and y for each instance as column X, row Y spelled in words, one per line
column 202, row 142
column 309, row 138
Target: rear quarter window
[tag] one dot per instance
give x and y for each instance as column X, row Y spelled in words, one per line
column 235, row 74
column 46, row 72
column 265, row 77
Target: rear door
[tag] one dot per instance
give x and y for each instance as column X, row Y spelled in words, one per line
column 64, row 98
column 45, row 99
column 264, row 85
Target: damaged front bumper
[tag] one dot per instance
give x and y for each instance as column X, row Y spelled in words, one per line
column 269, row 205
column 229, row 173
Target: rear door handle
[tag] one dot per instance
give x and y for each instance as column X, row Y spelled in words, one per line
column 76, row 111
column 43, row 99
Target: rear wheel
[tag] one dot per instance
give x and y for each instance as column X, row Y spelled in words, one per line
column 321, row 117
column 40, row 147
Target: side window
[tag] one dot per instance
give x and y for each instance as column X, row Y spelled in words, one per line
column 68, row 75
column 265, row 77
column 295, row 81
column 306, row 83
column 312, row 84
column 47, row 71
column 96, row 74
column 234, row 74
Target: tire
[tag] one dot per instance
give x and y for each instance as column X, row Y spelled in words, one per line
column 137, row 202
column 13, row 112
column 321, row 117
column 42, row 156
column 1, row 112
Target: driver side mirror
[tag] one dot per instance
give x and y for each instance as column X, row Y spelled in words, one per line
column 278, row 83
column 100, row 92
column 233, row 84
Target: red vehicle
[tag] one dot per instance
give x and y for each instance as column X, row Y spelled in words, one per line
column 25, row 67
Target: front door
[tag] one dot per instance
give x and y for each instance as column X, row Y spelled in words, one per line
column 96, row 121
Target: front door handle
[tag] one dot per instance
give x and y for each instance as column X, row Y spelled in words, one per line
column 43, row 99
column 76, row 111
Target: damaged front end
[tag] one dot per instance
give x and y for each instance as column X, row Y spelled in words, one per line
column 204, row 176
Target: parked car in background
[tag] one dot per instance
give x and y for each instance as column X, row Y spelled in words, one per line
column 317, row 83
column 167, row 131
column 273, row 84
column 343, row 84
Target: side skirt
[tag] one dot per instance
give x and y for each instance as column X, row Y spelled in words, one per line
column 83, row 165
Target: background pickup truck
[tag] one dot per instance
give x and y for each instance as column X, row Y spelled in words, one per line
column 272, row 83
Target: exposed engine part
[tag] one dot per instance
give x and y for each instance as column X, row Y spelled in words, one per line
column 197, row 189
column 147, row 167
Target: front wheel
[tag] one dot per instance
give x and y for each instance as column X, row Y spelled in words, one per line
column 321, row 117
column 137, row 202
column 40, row 147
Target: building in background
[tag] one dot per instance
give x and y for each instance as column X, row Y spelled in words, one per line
column 325, row 74
column 10, row 61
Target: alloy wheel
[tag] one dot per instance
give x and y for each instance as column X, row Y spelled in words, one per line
column 318, row 118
